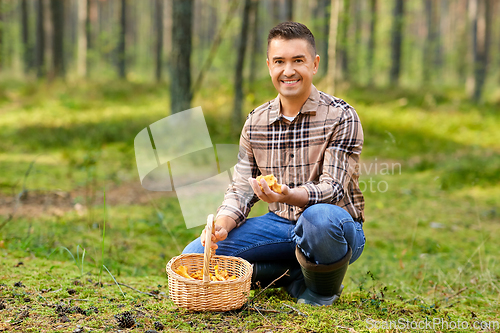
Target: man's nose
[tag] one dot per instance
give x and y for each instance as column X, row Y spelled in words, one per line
column 289, row 69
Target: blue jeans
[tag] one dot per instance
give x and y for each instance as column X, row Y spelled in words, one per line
column 323, row 233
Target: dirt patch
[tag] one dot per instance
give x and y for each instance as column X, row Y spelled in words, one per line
column 36, row 203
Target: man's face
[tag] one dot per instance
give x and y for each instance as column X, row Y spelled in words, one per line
column 292, row 66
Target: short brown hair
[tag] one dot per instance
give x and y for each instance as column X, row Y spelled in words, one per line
column 292, row 30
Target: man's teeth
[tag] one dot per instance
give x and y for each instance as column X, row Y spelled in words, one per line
column 290, row 82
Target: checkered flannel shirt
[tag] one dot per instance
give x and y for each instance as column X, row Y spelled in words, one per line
column 319, row 151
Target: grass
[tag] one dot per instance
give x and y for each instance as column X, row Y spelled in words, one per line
column 431, row 182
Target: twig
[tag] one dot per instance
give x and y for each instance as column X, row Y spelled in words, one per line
column 456, row 294
column 287, row 328
column 452, row 304
column 27, row 173
column 142, row 292
column 350, row 329
column 265, row 310
column 115, row 280
column 269, row 285
column 8, row 218
column 296, row 310
column 18, row 196
column 270, row 323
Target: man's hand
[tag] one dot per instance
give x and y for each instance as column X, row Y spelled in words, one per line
column 295, row 197
column 223, row 225
column 265, row 193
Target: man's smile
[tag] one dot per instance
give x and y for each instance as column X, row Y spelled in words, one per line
column 290, row 82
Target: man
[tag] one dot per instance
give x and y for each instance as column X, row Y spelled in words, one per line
column 311, row 142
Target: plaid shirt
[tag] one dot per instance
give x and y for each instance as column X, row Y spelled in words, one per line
column 318, row 151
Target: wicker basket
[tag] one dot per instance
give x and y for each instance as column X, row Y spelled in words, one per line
column 206, row 295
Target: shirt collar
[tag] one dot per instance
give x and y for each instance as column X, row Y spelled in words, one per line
column 310, row 106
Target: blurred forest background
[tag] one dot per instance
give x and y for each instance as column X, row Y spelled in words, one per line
column 413, row 43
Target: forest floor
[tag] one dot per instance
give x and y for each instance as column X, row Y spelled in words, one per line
column 429, row 174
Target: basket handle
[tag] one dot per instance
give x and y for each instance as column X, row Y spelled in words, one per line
column 210, row 229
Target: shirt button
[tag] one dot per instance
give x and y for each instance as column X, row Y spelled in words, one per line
column 292, row 185
column 292, row 155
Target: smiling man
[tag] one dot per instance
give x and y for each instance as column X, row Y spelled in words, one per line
column 311, row 142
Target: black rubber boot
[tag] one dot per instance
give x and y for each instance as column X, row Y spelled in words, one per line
column 265, row 272
column 323, row 282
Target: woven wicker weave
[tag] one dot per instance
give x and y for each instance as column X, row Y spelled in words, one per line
column 197, row 295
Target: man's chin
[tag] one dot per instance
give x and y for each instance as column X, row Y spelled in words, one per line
column 288, row 90
column 289, row 93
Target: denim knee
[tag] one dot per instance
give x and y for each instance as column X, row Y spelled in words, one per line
column 326, row 220
column 194, row 247
column 319, row 233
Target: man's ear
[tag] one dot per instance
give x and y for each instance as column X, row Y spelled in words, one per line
column 267, row 62
column 316, row 64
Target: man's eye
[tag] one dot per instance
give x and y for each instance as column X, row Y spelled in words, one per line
column 278, row 62
column 298, row 60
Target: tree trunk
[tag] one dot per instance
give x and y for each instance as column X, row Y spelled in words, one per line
column 1, row 34
column 82, row 39
column 26, row 47
column 132, row 15
column 159, row 38
column 322, row 25
column 432, row 61
column 213, row 22
column 57, row 8
column 429, row 42
column 483, row 46
column 462, row 46
column 167, row 36
column 344, row 43
column 90, row 21
column 472, row 54
column 180, row 78
column 358, row 27
column 332, row 45
column 255, row 42
column 215, row 45
column 289, row 10
column 440, row 19
column 275, row 11
column 238, row 78
column 40, row 41
column 48, row 38
column 396, row 41
column 121, row 43
column 371, row 40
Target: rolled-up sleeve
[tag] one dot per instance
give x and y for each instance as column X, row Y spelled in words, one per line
column 240, row 197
